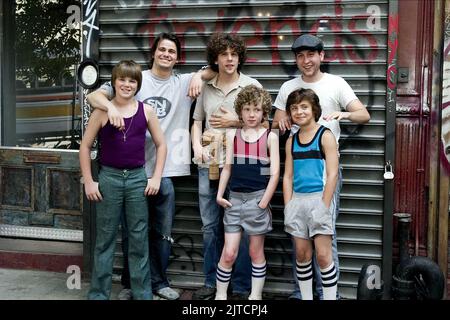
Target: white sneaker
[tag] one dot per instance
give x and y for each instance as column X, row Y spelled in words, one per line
column 168, row 293
column 125, row 294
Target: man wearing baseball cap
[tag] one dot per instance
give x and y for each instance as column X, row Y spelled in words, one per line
column 338, row 101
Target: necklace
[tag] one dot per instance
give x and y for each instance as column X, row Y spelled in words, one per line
column 124, row 132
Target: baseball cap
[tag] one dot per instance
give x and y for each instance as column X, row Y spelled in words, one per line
column 307, row 41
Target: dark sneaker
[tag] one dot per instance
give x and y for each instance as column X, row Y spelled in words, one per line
column 296, row 295
column 238, row 296
column 204, row 293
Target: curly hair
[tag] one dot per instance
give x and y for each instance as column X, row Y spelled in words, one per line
column 252, row 94
column 297, row 96
column 127, row 68
column 219, row 43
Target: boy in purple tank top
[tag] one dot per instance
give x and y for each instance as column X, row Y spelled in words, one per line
column 253, row 169
column 122, row 182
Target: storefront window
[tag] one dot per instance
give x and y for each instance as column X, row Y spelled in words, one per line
column 47, row 52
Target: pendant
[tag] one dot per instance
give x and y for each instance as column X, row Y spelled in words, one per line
column 124, row 138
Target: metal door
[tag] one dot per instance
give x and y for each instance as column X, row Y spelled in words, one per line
column 355, row 37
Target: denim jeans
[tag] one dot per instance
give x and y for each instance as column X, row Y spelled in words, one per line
column 161, row 214
column 213, row 239
column 121, row 189
column 317, row 277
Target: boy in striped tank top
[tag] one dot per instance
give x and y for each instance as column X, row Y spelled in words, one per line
column 310, row 176
column 252, row 168
column 122, row 182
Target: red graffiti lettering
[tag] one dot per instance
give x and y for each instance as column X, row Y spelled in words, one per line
column 370, row 38
column 219, row 21
column 391, row 73
column 393, row 34
column 257, row 38
column 391, row 77
column 447, row 51
column 182, row 28
column 275, row 26
column 270, row 33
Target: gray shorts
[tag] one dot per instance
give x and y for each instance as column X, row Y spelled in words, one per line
column 306, row 215
column 245, row 214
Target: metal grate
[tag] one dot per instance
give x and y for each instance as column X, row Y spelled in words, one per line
column 355, row 38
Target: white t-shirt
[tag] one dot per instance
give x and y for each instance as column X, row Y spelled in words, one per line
column 170, row 100
column 334, row 95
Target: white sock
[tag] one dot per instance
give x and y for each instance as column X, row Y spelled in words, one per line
column 329, row 282
column 223, row 277
column 258, row 279
column 305, row 279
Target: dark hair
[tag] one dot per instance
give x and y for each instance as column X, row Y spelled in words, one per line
column 297, row 96
column 164, row 36
column 127, row 68
column 219, row 43
column 255, row 95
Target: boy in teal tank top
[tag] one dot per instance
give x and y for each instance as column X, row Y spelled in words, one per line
column 310, row 176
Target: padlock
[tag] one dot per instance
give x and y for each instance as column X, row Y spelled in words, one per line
column 388, row 174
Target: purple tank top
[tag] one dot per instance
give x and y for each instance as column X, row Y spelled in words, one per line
column 124, row 149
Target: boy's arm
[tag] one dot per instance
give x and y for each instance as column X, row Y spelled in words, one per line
column 329, row 147
column 90, row 186
column 226, row 171
column 99, row 99
column 196, row 132
column 274, row 170
column 154, row 182
column 288, row 173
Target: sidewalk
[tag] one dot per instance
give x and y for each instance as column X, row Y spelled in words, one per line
column 20, row 284
column 42, row 285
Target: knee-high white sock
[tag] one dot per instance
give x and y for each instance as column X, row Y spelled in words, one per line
column 304, row 277
column 258, row 279
column 329, row 282
column 223, row 277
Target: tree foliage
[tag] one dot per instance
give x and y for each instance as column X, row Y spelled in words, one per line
column 46, row 47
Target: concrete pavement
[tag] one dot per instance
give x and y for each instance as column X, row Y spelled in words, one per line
column 42, row 285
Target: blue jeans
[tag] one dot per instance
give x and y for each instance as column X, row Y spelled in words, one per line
column 121, row 189
column 161, row 214
column 213, row 239
column 317, row 277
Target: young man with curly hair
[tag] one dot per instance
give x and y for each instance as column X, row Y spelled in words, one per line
column 226, row 54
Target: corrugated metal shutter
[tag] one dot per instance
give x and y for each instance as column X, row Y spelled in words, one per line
column 355, row 37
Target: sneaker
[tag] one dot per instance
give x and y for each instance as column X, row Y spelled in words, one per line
column 168, row 293
column 125, row 294
column 295, row 296
column 238, row 296
column 204, row 293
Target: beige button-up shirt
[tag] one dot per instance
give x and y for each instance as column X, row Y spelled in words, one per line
column 212, row 98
